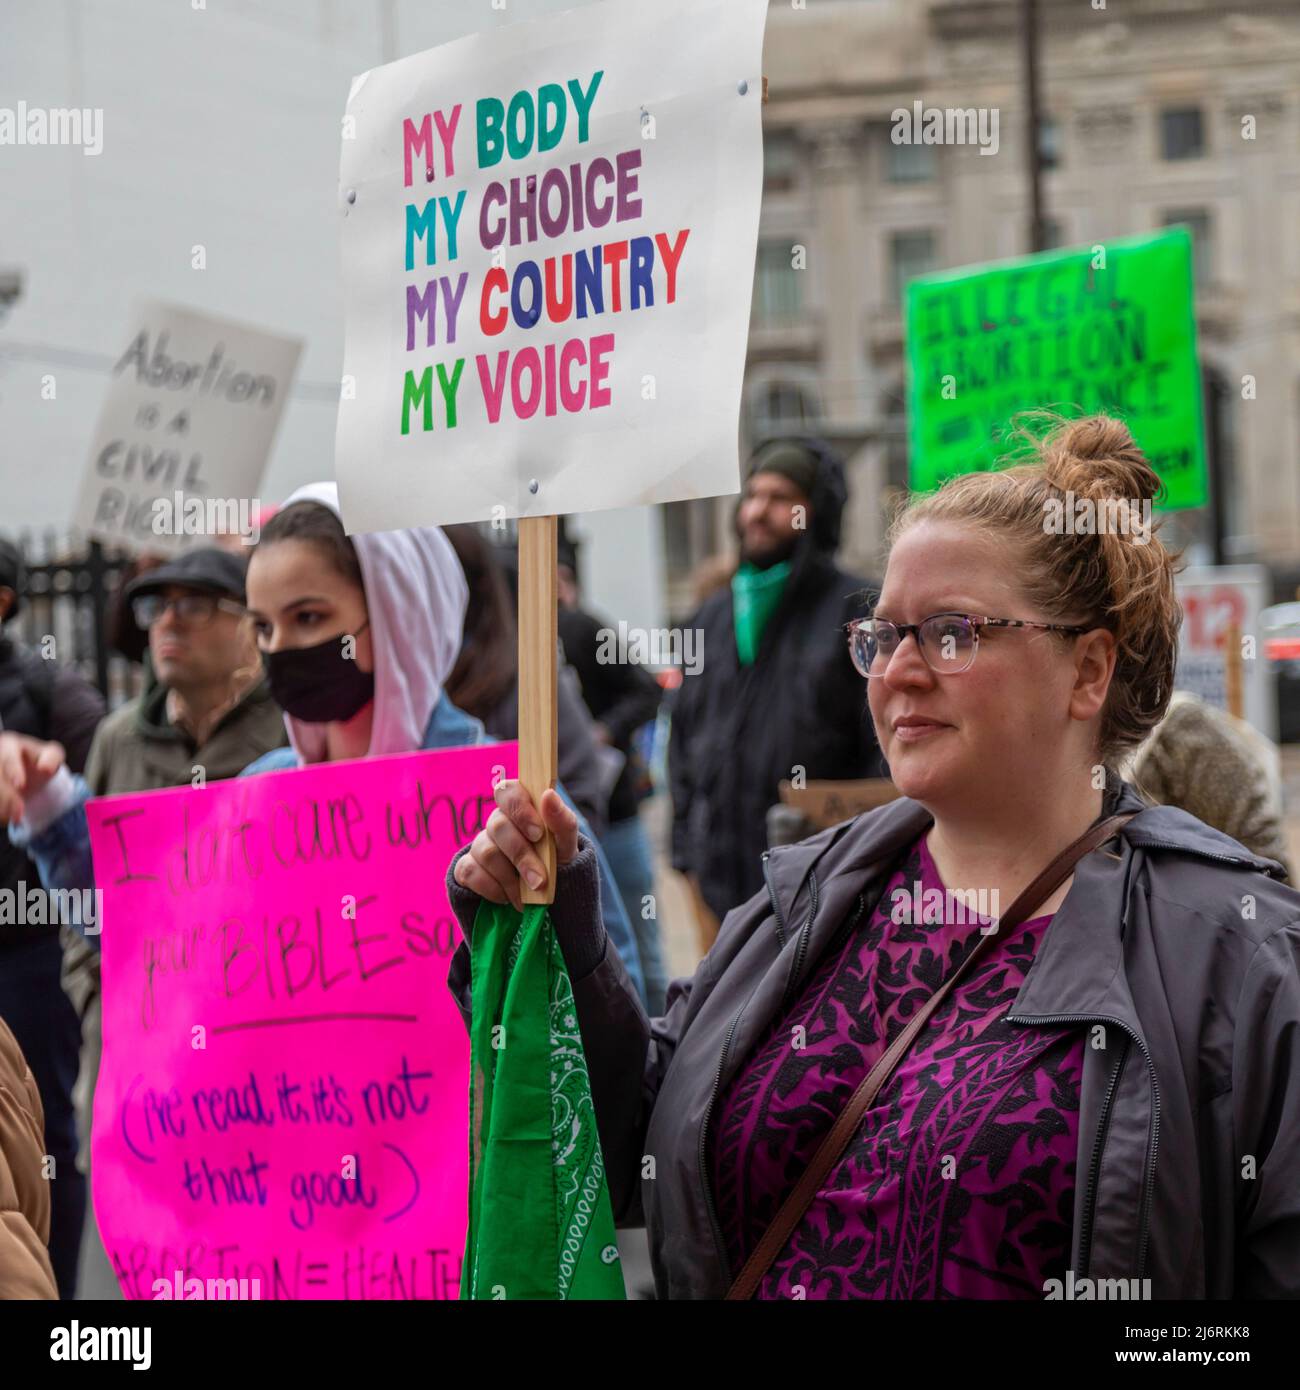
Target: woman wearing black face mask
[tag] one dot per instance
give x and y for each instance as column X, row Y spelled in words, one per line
column 357, row 635
column 320, row 684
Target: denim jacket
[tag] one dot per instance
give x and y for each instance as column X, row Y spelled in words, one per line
column 62, row 849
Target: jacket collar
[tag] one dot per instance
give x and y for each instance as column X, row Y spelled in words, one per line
column 450, row 727
column 1080, row 967
column 1078, row 970
column 881, row 834
column 153, row 722
column 1170, row 828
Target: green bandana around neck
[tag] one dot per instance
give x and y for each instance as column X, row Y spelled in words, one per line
column 755, row 594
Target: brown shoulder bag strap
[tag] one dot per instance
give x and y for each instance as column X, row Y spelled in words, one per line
column 832, row 1147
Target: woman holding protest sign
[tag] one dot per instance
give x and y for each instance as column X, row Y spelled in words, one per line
column 882, row 1084
column 358, row 635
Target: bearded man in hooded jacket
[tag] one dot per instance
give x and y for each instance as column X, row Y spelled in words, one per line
column 775, row 695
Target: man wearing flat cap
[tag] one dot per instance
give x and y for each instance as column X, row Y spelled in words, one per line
column 777, row 691
column 211, row 706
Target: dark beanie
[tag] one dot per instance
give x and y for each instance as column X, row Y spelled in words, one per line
column 790, row 459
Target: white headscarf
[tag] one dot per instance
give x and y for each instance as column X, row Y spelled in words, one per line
column 416, row 596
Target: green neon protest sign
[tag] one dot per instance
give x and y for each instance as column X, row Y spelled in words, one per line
column 1109, row 328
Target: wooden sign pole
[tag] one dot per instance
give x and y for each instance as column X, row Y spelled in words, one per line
column 1233, row 676
column 538, row 664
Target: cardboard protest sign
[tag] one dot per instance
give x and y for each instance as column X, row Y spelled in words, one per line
column 185, row 433
column 1219, row 601
column 1107, row 328
column 548, row 249
column 284, row 1087
column 827, row 802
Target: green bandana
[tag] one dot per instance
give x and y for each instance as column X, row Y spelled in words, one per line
column 755, row 594
column 540, row 1222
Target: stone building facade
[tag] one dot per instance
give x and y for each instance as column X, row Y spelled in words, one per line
column 1154, row 111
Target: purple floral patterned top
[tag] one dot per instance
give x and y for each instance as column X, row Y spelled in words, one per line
column 960, row 1180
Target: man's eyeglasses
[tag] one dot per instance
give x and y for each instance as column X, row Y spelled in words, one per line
column 197, row 610
column 948, row 641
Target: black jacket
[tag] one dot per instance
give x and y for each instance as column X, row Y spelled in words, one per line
column 620, row 694
column 47, row 701
column 738, row 731
column 1176, row 949
column 579, row 759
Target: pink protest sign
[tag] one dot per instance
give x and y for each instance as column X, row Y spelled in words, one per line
column 283, row 1093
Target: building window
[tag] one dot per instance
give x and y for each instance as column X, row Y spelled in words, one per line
column 910, row 254
column 677, row 537
column 780, row 162
column 781, row 404
column 776, row 283
column 1049, row 143
column 910, row 163
column 1182, row 133
column 1198, row 220
column 893, row 416
column 689, row 537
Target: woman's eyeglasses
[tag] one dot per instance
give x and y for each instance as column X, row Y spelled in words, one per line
column 198, row 610
column 948, row 641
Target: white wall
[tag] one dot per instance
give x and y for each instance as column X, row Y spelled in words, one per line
column 221, row 129
column 622, row 563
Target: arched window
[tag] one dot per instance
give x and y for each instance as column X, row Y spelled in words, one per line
column 782, row 404
column 785, row 402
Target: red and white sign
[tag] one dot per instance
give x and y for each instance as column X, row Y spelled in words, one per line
column 1216, row 599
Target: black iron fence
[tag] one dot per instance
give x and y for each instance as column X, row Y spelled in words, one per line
column 66, row 587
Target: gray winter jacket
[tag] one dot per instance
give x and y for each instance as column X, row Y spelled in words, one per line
column 1180, row 944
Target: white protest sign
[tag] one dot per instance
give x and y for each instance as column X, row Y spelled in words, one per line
column 1215, row 599
column 184, row 435
column 548, row 254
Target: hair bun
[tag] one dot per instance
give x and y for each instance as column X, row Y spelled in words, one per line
column 1097, row 456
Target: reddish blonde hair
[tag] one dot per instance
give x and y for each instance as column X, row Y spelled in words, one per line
column 1105, row 579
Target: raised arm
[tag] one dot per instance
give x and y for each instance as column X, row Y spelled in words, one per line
column 44, row 806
